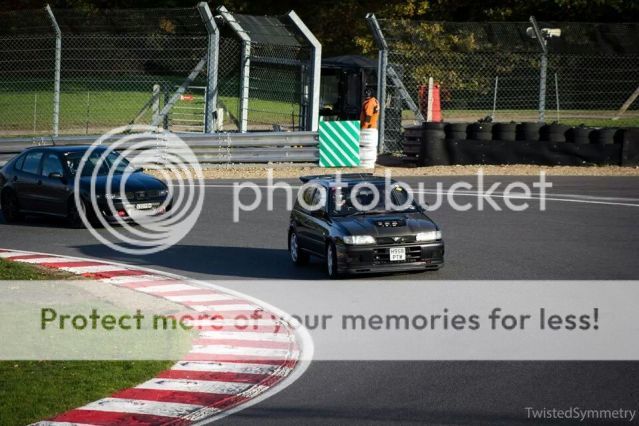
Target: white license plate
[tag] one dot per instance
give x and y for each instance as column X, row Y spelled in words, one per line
column 397, row 254
column 144, row 206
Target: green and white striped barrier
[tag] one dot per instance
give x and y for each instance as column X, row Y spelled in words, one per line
column 339, row 143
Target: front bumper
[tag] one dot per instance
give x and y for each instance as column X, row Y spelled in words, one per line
column 375, row 258
column 131, row 212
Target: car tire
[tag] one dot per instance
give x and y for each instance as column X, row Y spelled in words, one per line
column 331, row 261
column 298, row 257
column 10, row 207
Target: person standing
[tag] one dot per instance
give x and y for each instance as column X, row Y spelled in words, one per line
column 370, row 110
column 368, row 135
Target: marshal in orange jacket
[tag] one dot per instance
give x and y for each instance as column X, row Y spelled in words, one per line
column 370, row 113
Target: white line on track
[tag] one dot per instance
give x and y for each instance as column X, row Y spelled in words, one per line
column 576, row 198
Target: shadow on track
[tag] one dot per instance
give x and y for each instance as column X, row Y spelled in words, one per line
column 37, row 221
column 231, row 262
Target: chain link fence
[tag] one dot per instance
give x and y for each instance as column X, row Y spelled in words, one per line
column 77, row 72
column 277, row 72
column 27, row 63
column 495, row 70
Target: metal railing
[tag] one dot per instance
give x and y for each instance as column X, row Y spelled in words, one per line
column 218, row 148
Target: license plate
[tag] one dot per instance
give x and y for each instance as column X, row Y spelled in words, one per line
column 144, row 206
column 397, row 254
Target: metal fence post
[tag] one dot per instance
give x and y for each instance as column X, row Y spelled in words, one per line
column 316, row 70
column 495, row 98
column 382, row 64
column 557, row 95
column 543, row 68
column 56, row 75
column 245, row 65
column 210, row 103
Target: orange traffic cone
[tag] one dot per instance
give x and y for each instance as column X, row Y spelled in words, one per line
column 430, row 103
column 436, row 108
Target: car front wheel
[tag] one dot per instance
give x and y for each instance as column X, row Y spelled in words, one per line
column 298, row 256
column 331, row 261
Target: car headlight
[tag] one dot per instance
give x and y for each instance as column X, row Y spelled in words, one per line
column 359, row 239
column 429, row 236
column 163, row 192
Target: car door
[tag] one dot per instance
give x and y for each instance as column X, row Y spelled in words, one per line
column 301, row 218
column 317, row 225
column 25, row 180
column 51, row 189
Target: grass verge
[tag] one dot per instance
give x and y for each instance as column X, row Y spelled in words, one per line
column 20, row 271
column 35, row 390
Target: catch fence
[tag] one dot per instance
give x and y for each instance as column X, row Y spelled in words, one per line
column 578, row 73
column 76, row 72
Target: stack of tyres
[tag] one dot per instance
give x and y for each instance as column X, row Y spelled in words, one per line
column 579, row 135
column 368, row 139
column 606, row 136
column 456, row 131
column 412, row 141
column 505, row 132
column 630, row 147
column 433, row 150
column 528, row 131
column 553, row 132
column 481, row 131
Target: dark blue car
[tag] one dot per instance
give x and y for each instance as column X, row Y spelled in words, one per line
column 40, row 180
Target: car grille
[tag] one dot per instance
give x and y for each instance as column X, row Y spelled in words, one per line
column 396, row 240
column 142, row 195
column 382, row 255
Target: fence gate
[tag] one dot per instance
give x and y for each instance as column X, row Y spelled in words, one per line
column 188, row 113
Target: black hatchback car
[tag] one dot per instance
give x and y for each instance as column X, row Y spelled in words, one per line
column 357, row 233
column 41, row 180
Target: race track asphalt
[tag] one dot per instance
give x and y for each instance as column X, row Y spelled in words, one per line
column 590, row 231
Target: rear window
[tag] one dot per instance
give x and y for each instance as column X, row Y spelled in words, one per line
column 32, row 162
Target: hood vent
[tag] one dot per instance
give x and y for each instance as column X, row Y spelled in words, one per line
column 389, row 223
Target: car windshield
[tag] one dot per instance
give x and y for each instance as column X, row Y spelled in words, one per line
column 113, row 162
column 369, row 200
